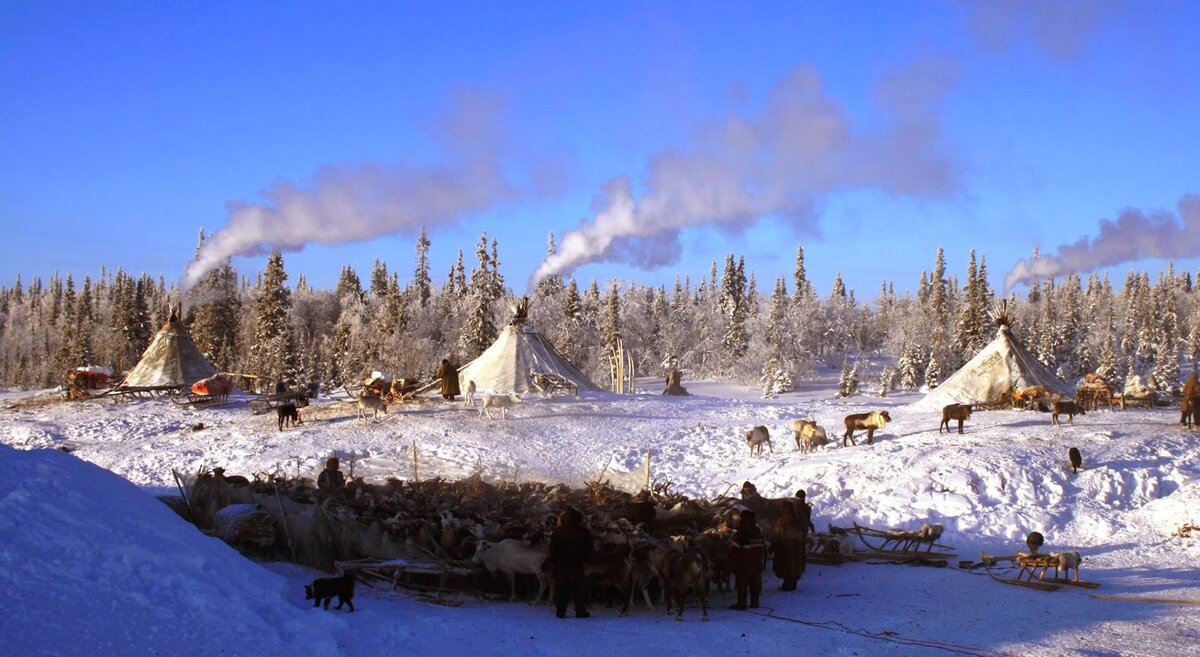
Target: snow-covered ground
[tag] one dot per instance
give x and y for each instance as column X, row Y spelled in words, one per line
column 92, row 564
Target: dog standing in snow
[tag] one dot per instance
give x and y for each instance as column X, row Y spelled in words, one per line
column 325, row 588
column 288, row 414
column 371, row 403
column 502, row 402
column 1076, row 459
column 470, row 397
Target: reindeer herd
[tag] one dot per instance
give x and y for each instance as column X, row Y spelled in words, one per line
column 809, row 435
column 656, row 544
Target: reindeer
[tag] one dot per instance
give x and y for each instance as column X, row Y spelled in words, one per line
column 869, row 421
column 960, row 412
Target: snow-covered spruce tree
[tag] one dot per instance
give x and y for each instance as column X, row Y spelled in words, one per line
column 1107, row 364
column 213, row 313
column 803, row 288
column 940, row 311
column 591, row 304
column 481, row 276
column 1046, row 344
column 610, row 329
column 1166, row 369
column 886, row 381
column 1193, row 338
column 124, row 319
column 933, row 373
column 379, row 279
column 552, row 284
column 1147, row 324
column 422, row 285
column 971, row 328
column 660, row 320
column 910, row 367
column 778, row 332
column 848, row 380
column 572, row 307
column 1166, row 341
column 84, row 326
column 1070, row 353
column 775, row 378
column 733, row 310
column 273, row 352
column 348, row 285
column 496, row 279
column 478, row 332
column 64, row 358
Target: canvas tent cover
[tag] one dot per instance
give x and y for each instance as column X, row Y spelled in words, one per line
column 505, row 366
column 1003, row 365
column 172, row 359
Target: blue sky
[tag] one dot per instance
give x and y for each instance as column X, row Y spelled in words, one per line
column 125, row 127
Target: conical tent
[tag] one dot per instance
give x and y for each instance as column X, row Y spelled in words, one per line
column 1004, row 365
column 172, row 359
column 506, row 365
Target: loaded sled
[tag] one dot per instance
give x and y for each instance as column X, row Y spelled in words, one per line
column 917, row 546
column 1031, row 564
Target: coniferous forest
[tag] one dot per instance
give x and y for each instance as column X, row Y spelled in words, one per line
column 715, row 323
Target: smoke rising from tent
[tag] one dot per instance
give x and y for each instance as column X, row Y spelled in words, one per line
column 364, row 201
column 1134, row 235
column 801, row 146
column 1062, row 30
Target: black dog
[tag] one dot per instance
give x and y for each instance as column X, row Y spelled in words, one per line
column 323, row 589
column 1076, row 458
column 288, row 413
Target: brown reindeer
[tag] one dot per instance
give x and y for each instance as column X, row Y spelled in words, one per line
column 960, row 412
column 1068, row 408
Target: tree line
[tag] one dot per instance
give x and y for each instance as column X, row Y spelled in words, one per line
column 717, row 325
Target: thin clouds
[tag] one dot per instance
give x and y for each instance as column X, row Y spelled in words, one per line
column 1060, row 29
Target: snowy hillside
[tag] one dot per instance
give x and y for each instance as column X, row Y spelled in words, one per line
column 92, row 554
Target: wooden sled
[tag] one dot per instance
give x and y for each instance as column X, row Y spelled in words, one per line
column 126, row 393
column 268, row 403
column 199, row 401
column 989, row 561
column 899, row 546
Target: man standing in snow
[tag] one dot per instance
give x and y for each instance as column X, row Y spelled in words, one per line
column 449, row 376
column 1191, row 390
column 747, row 556
column 570, row 548
column 788, row 538
column 331, row 480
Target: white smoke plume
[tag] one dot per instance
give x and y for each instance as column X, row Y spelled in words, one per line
column 1135, row 235
column 780, row 161
column 364, row 201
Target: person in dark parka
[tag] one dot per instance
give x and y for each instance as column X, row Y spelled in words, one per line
column 449, row 376
column 570, row 549
column 1191, row 390
column 331, row 478
column 788, row 539
column 747, row 555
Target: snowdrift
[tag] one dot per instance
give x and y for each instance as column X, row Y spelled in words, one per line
column 92, row 565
